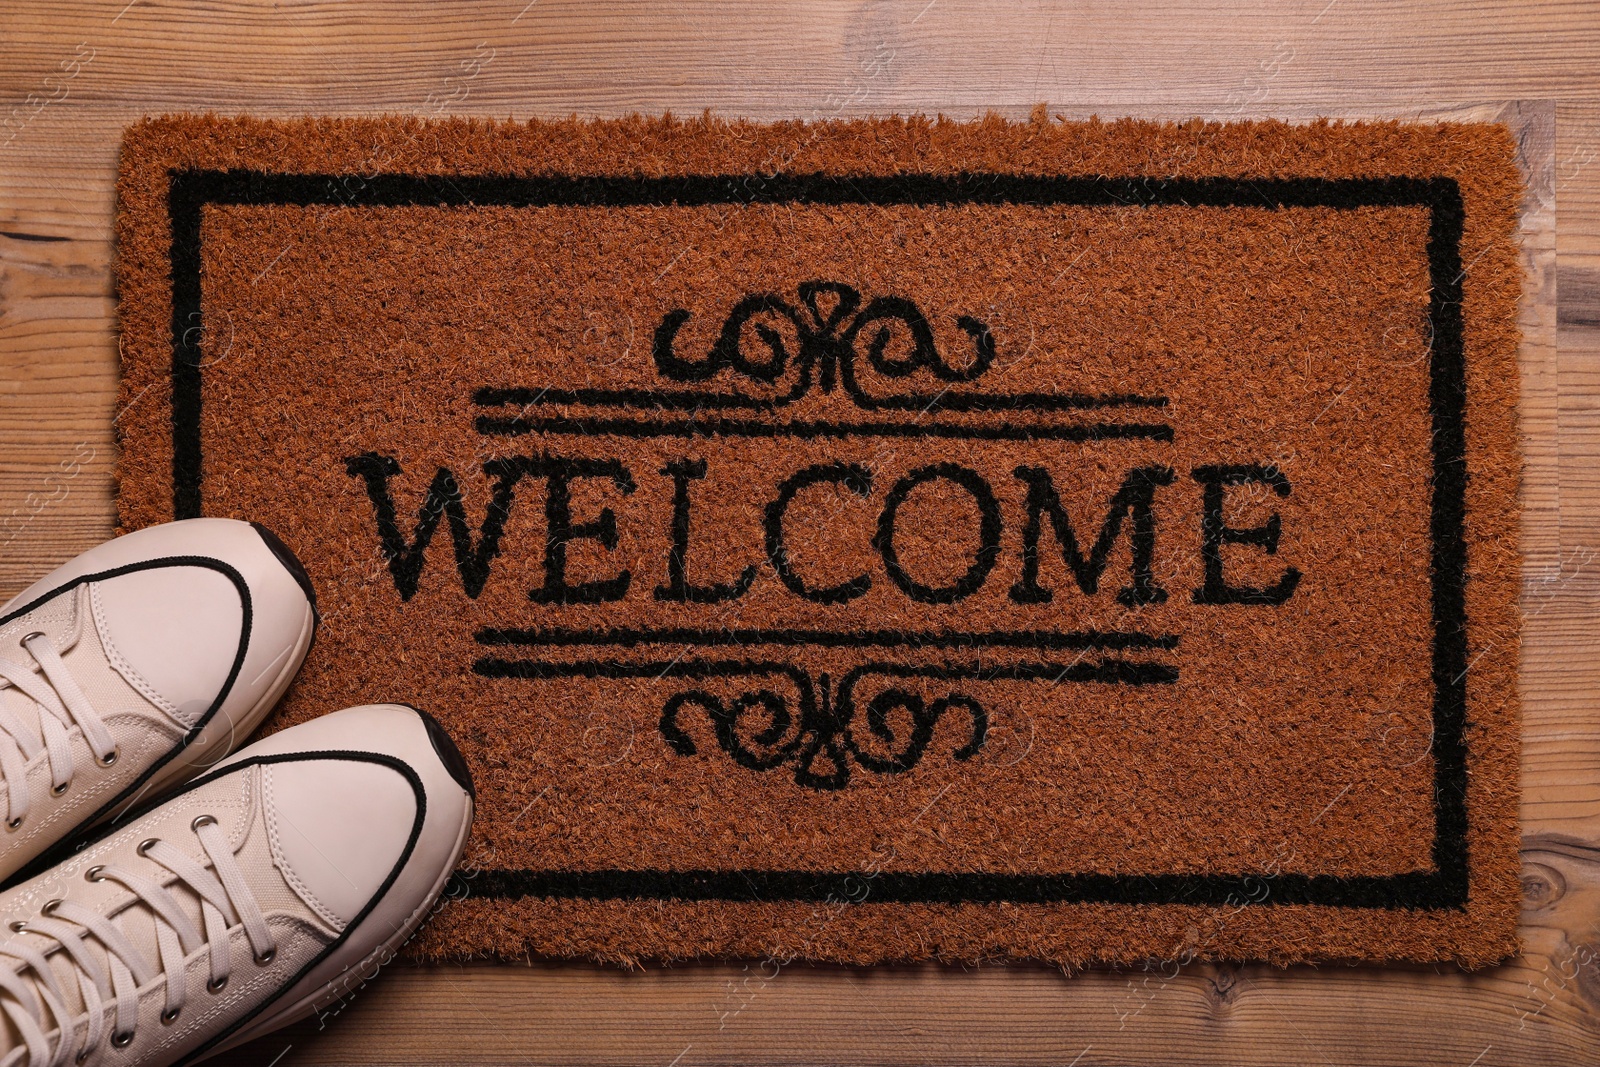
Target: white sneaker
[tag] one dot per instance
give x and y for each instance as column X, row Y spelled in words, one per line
column 264, row 890
column 135, row 666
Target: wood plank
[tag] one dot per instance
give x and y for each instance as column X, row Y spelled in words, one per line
column 57, row 406
column 763, row 60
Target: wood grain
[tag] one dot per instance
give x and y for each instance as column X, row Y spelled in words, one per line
column 75, row 73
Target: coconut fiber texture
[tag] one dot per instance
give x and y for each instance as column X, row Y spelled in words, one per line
column 880, row 540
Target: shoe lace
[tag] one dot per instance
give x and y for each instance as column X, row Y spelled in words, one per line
column 61, row 703
column 30, row 988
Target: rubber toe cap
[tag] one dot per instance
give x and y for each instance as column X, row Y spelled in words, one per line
column 339, row 827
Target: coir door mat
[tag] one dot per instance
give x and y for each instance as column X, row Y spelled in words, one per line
column 880, row 540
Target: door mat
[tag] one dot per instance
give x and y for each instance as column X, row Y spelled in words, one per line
column 880, row 540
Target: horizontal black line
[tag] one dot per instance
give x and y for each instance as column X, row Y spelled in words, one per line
column 629, row 637
column 691, row 400
column 517, row 427
column 1417, row 889
column 1105, row 671
column 549, row 190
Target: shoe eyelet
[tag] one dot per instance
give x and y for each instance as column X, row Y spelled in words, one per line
column 83, row 1054
column 144, row 846
column 30, row 636
column 13, row 824
column 92, row 874
column 217, row 986
column 57, row 790
column 50, row 907
column 111, row 757
column 17, row 926
column 203, row 820
column 266, row 957
column 170, row 1017
column 122, row 1040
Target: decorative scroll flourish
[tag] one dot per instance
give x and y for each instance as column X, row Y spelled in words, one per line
column 765, row 337
column 816, row 732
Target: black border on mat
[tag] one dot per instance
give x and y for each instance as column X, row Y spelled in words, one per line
column 1446, row 886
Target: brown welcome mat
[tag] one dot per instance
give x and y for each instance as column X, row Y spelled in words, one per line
column 881, row 540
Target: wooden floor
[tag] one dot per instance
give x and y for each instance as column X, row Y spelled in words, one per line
column 73, row 73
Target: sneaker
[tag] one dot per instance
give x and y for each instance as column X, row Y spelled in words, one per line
column 135, row 666
column 266, row 889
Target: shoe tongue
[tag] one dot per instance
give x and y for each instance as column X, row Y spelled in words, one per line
column 61, row 620
column 26, row 711
column 137, row 921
